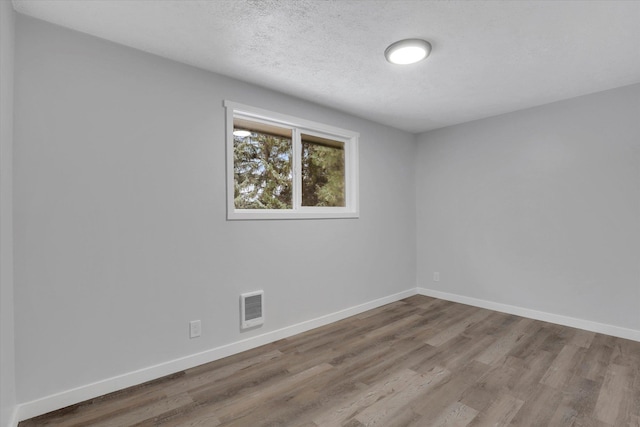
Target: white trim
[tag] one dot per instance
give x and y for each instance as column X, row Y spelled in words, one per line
column 304, row 213
column 70, row 397
column 271, row 116
column 298, row 126
column 296, row 150
column 603, row 328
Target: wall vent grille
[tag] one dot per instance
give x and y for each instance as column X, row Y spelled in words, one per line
column 252, row 309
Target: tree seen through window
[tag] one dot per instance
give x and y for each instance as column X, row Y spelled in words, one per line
column 262, row 171
column 282, row 168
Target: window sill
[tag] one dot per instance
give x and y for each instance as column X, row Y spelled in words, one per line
column 317, row 213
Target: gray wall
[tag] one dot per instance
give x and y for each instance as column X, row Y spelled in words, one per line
column 537, row 209
column 120, row 230
column 7, row 365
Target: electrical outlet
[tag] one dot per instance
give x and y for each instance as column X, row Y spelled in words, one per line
column 436, row 276
column 195, row 329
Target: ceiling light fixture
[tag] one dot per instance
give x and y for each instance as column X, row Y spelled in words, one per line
column 408, row 51
column 241, row 133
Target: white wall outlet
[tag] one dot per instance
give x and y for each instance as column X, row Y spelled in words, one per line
column 436, row 276
column 195, row 329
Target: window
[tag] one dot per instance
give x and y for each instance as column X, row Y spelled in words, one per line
column 283, row 167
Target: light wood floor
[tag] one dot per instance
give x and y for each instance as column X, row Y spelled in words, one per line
column 420, row 362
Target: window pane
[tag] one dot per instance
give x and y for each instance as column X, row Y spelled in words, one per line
column 322, row 172
column 262, row 166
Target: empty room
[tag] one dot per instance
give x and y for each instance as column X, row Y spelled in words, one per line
column 319, row 213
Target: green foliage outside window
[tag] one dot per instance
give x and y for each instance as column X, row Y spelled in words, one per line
column 262, row 172
column 322, row 175
column 263, row 175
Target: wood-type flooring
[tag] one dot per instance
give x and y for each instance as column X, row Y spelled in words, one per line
column 416, row 362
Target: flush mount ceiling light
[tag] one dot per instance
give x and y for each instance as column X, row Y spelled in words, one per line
column 408, row 51
column 241, row 133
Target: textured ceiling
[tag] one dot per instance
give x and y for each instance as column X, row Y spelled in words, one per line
column 489, row 57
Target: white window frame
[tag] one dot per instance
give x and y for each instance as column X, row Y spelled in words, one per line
column 298, row 126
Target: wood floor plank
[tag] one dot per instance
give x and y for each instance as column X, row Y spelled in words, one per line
column 419, row 362
column 582, row 338
column 535, row 336
column 243, row 412
column 596, row 360
column 455, row 415
column 635, row 407
column 347, row 409
column 468, row 350
column 492, row 384
column 383, row 411
column 539, row 406
column 564, row 416
column 531, row 372
column 580, row 398
column 505, row 343
column 562, row 367
column 458, row 328
column 136, row 415
column 500, row 413
column 199, row 416
column 449, row 391
column 197, row 379
column 614, row 394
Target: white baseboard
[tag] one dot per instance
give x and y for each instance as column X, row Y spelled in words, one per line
column 603, row 328
column 70, row 397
